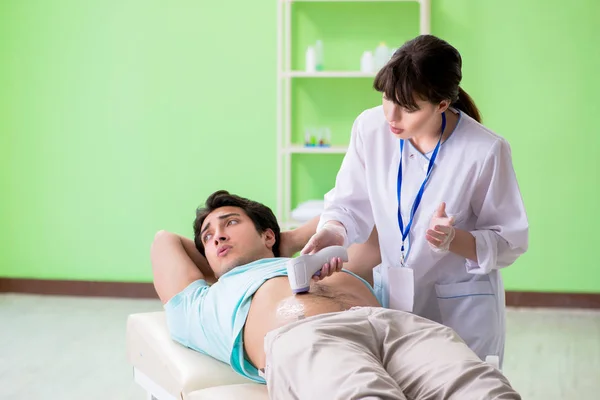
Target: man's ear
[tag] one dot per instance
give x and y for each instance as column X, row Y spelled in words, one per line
column 269, row 237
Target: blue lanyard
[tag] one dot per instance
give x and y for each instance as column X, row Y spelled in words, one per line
column 406, row 230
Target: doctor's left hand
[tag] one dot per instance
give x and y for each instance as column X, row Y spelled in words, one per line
column 334, row 265
column 441, row 230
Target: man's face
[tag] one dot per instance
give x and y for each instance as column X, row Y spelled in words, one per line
column 230, row 239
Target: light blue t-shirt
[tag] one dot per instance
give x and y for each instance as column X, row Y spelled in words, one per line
column 210, row 319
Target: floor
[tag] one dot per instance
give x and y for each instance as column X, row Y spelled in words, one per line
column 73, row 348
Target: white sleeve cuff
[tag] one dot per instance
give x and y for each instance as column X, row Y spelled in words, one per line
column 486, row 245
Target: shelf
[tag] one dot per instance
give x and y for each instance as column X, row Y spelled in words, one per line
column 296, row 149
column 328, row 74
column 350, row 1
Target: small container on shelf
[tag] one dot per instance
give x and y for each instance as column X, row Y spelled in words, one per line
column 317, row 137
column 310, row 139
column 325, row 139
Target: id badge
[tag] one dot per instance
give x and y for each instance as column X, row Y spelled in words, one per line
column 401, row 288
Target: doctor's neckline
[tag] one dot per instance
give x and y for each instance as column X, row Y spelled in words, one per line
column 426, row 155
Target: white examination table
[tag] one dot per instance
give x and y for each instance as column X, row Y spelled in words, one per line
column 169, row 371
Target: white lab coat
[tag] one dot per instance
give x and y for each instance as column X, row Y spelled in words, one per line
column 474, row 175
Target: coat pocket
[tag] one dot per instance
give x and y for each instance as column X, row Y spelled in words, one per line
column 470, row 308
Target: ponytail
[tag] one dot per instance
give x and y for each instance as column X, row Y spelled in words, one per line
column 466, row 104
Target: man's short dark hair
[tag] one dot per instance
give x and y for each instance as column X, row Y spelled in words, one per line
column 261, row 215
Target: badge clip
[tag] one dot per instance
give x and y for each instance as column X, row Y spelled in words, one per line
column 402, row 259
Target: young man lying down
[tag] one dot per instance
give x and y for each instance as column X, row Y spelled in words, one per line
column 334, row 342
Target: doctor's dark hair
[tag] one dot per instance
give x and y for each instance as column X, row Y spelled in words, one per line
column 429, row 68
column 261, row 215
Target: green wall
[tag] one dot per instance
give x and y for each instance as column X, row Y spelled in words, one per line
column 536, row 83
column 121, row 117
column 118, row 118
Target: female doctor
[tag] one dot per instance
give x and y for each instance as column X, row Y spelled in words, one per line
column 441, row 192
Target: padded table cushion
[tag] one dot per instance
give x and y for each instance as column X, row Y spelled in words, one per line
column 175, row 368
column 247, row 391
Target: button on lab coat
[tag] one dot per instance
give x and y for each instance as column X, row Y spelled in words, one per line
column 474, row 175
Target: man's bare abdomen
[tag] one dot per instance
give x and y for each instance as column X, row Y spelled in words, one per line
column 274, row 305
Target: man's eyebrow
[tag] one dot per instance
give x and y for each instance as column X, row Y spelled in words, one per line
column 229, row 215
column 205, row 228
column 224, row 216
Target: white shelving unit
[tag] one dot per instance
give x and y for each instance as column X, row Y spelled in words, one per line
column 327, row 74
column 285, row 148
column 300, row 149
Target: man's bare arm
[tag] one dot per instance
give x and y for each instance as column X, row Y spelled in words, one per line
column 172, row 267
column 198, row 259
column 294, row 240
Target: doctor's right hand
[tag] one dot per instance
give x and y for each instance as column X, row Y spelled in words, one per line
column 333, row 233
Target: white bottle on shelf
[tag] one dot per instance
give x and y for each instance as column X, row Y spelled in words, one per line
column 367, row 63
column 311, row 59
column 319, row 55
column 382, row 56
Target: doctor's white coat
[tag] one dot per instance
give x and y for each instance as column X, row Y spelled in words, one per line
column 474, row 175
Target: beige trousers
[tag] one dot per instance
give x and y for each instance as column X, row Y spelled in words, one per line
column 376, row 353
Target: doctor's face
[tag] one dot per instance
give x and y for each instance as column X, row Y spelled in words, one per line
column 407, row 124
